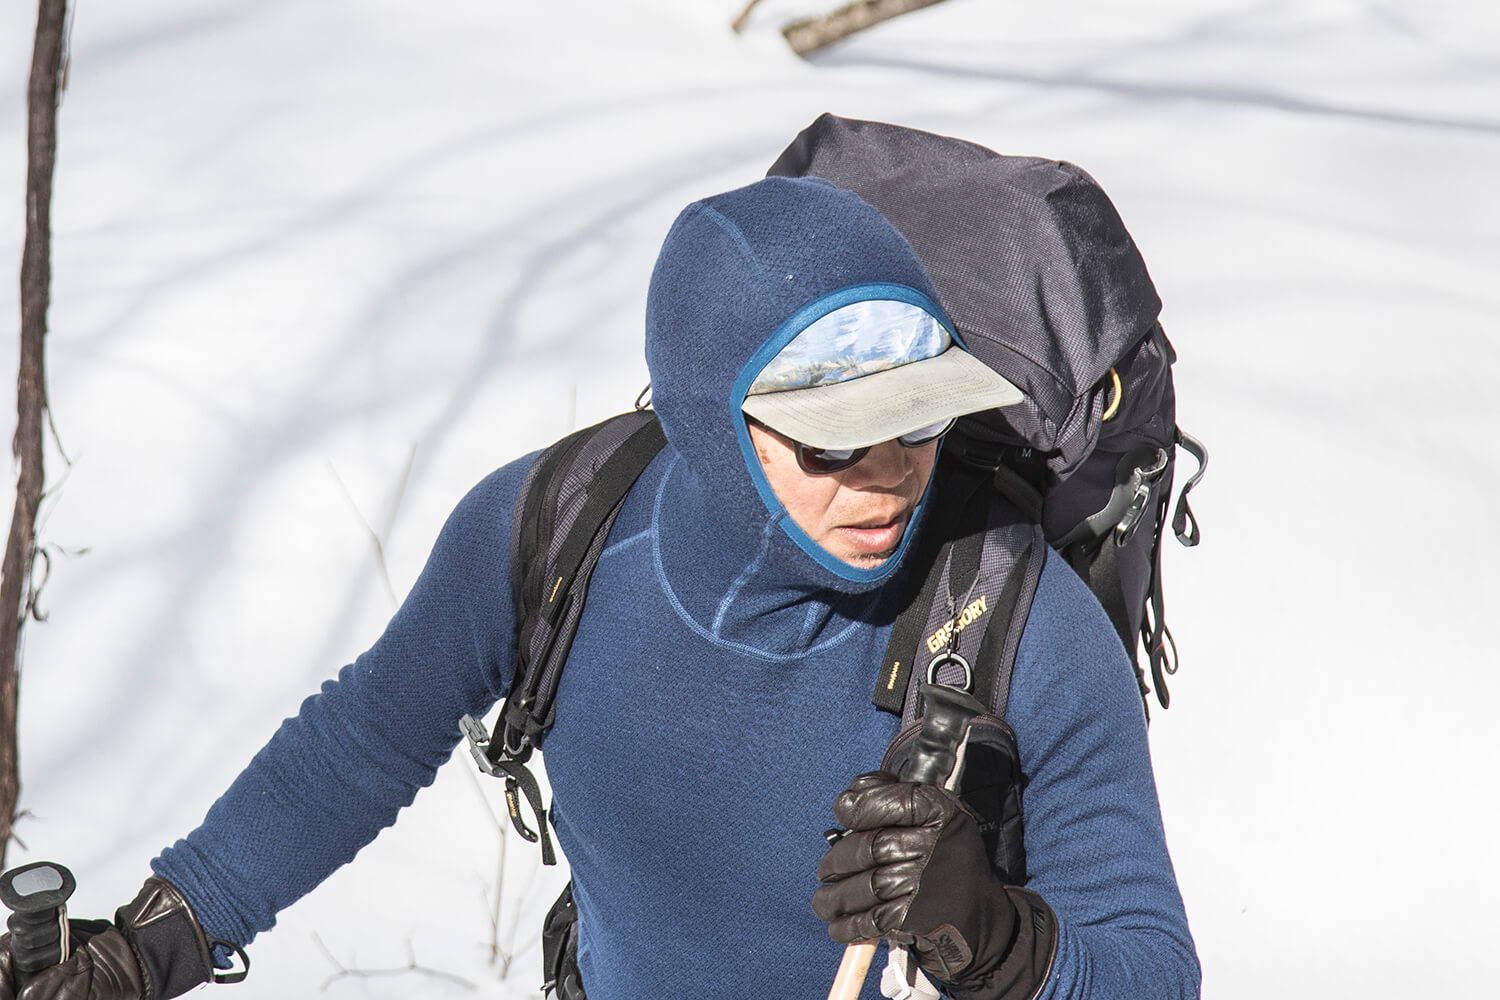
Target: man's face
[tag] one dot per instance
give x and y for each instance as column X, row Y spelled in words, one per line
column 857, row 514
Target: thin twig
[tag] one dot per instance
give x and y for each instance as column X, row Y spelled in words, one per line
column 23, row 814
column 410, row 966
column 498, row 956
column 485, row 800
column 57, row 439
column 378, row 537
column 401, row 484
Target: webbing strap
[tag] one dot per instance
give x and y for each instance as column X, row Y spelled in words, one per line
column 1184, row 524
column 900, row 651
column 1015, row 488
column 1161, row 648
column 606, row 488
column 520, row 781
column 1104, row 580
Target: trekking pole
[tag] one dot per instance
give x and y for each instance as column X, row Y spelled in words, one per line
column 37, row 896
column 946, row 713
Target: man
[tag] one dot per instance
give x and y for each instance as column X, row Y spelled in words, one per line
column 716, row 701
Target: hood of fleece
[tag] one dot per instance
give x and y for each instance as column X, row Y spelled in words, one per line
column 739, row 276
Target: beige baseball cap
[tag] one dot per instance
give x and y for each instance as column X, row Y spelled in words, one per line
column 871, row 371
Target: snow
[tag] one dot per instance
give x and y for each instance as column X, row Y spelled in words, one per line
column 323, row 265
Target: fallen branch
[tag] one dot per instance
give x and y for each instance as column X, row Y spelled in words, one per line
column 738, row 24
column 806, row 37
column 17, row 589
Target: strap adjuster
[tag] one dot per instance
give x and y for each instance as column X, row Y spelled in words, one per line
column 479, row 744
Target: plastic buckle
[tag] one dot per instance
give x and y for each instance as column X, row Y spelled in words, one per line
column 1142, row 481
column 479, row 744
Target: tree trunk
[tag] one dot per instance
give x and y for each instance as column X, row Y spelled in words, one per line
column 809, row 36
column 31, row 389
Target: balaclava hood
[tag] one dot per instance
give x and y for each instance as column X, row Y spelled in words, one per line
column 739, row 276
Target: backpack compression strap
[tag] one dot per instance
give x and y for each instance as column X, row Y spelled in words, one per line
column 569, row 501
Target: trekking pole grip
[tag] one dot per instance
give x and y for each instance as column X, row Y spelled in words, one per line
column 37, row 896
column 946, row 713
column 853, row 969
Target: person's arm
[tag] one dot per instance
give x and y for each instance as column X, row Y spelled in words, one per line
column 337, row 773
column 1095, row 847
column 1101, row 916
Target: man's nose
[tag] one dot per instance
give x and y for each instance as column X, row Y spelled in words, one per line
column 886, row 466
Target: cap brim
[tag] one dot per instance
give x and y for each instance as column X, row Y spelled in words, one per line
column 874, row 408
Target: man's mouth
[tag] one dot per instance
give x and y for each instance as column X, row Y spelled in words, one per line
column 875, row 537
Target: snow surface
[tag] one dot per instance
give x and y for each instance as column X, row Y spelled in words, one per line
column 323, row 264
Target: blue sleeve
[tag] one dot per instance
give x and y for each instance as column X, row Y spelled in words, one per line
column 337, row 773
column 1095, row 846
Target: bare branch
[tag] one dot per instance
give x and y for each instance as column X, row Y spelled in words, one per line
column 806, row 37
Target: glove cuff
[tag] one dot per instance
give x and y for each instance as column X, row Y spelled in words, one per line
column 173, row 952
column 983, row 939
column 1023, row 966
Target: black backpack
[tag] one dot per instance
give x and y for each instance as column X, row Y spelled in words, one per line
column 1045, row 285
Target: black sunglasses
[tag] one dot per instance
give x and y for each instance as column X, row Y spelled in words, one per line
column 826, row 461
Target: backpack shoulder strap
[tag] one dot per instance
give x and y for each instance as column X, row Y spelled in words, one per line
column 566, row 510
column 568, row 503
column 979, row 564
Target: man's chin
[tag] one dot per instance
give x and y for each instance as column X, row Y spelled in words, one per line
column 867, row 560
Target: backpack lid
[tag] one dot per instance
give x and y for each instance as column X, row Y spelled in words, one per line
column 1029, row 256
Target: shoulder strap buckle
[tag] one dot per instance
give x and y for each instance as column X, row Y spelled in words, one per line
column 520, row 784
column 488, row 753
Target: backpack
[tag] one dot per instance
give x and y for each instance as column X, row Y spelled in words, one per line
column 1045, row 285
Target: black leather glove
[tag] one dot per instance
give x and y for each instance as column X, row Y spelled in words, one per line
column 153, row 950
column 913, row 869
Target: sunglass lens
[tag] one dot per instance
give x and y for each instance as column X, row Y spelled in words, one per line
column 821, row 461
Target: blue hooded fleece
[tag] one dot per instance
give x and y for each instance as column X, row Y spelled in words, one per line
column 717, row 697
column 739, row 276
